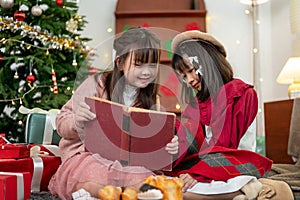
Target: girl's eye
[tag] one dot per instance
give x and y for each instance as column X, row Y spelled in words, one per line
column 191, row 70
column 138, row 64
column 153, row 65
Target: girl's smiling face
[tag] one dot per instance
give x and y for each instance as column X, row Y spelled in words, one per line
column 139, row 74
column 189, row 75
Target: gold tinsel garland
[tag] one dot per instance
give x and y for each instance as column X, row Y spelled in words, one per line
column 52, row 42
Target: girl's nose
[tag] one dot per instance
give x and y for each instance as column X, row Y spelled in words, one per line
column 189, row 79
column 146, row 70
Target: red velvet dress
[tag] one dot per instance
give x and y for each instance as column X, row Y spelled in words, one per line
column 228, row 116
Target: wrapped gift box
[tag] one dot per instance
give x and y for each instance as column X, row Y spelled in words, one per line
column 8, row 187
column 15, row 186
column 14, row 151
column 3, row 140
column 40, row 168
column 40, row 129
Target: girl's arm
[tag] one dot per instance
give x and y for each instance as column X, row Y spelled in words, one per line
column 65, row 121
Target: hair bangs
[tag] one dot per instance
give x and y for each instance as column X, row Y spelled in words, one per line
column 146, row 55
column 179, row 64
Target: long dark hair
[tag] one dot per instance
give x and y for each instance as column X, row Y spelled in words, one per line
column 145, row 46
column 215, row 69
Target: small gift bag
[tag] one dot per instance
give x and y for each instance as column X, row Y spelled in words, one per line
column 40, row 126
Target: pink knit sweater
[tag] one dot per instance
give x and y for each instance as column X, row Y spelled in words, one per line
column 71, row 142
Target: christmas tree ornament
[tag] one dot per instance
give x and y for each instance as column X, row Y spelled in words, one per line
column 30, row 78
column 19, row 15
column 34, row 39
column 74, row 63
column 59, row 2
column 55, row 88
column 6, row 3
column 71, row 25
column 16, row 76
column 23, row 7
column 36, row 10
column 54, row 42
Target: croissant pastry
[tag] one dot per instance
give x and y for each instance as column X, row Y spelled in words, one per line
column 110, row 192
column 169, row 186
column 129, row 194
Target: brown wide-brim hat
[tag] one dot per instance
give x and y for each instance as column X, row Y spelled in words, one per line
column 197, row 35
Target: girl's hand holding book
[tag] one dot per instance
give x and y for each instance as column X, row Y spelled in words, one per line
column 82, row 115
column 173, row 146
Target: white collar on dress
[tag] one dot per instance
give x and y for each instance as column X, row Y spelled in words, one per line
column 129, row 94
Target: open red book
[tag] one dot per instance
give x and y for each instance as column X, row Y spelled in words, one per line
column 134, row 136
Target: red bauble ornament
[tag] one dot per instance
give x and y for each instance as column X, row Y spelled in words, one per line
column 1, row 58
column 30, row 78
column 19, row 15
column 59, row 2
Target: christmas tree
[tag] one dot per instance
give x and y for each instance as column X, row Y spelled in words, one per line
column 40, row 54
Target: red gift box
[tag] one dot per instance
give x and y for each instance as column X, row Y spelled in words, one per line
column 40, row 168
column 6, row 189
column 14, row 151
column 3, row 140
column 15, row 186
